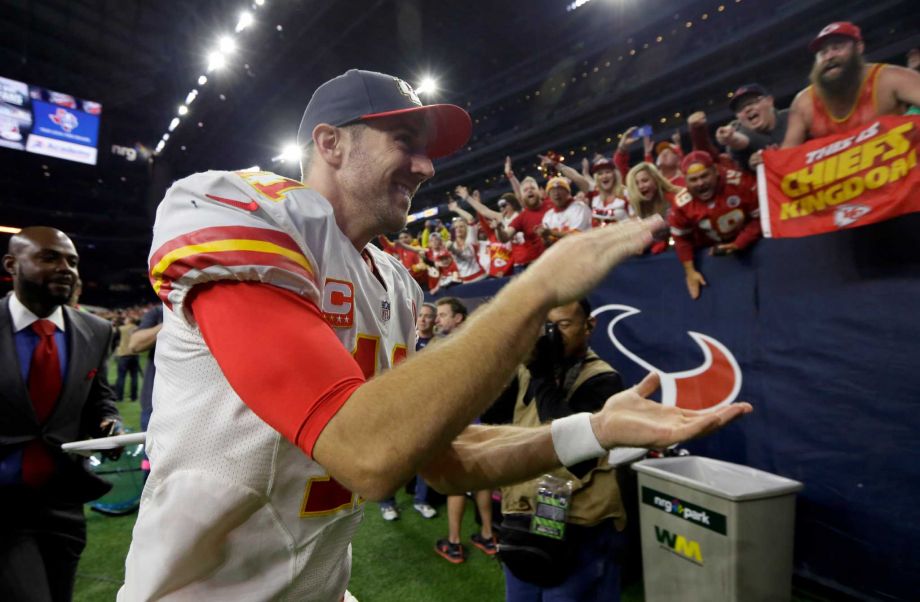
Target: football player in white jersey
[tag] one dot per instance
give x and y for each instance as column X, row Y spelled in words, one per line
column 275, row 415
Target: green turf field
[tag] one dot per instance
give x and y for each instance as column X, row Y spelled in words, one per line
column 392, row 562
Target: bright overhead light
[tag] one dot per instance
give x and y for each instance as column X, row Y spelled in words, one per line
column 260, row 2
column 244, row 22
column 190, row 98
column 428, row 85
column 216, row 61
column 576, row 5
column 160, row 146
column 173, row 124
column 183, row 110
column 165, row 137
column 226, row 44
column 10, row 230
column 290, row 152
column 202, row 80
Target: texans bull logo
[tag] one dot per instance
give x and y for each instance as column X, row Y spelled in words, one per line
column 713, row 384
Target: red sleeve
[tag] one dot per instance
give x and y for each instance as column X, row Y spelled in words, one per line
column 385, row 243
column 681, row 231
column 516, row 222
column 487, row 228
column 278, row 354
column 699, row 137
column 621, row 160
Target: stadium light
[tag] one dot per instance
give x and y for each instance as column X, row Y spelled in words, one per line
column 202, row 80
column 290, row 152
column 576, row 5
column 183, row 110
column 428, row 85
column 244, row 22
column 260, row 2
column 173, row 124
column 216, row 61
column 10, row 230
column 160, row 146
column 226, row 45
column 190, row 98
column 165, row 137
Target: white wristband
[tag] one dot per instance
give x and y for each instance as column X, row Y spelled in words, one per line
column 574, row 439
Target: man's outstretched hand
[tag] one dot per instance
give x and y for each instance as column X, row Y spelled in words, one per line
column 628, row 419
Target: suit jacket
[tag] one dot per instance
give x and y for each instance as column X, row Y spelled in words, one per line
column 86, row 400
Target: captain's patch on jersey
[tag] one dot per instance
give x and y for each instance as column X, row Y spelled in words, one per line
column 339, row 303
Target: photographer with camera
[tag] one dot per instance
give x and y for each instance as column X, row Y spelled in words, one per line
column 562, row 533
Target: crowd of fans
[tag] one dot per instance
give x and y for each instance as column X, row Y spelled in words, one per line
column 707, row 194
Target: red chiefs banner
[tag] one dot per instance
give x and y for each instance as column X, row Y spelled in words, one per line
column 860, row 177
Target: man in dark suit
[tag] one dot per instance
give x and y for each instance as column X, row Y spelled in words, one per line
column 53, row 390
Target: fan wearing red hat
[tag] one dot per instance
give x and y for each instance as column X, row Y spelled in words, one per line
column 718, row 210
column 845, row 91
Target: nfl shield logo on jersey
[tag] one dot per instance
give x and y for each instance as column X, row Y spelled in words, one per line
column 385, row 310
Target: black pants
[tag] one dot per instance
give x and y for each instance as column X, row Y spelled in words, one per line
column 39, row 552
column 128, row 366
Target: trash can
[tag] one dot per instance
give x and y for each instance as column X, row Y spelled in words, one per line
column 715, row 531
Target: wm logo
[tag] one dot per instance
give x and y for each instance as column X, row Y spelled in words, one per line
column 680, row 545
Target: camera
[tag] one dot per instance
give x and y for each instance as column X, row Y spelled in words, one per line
column 548, row 351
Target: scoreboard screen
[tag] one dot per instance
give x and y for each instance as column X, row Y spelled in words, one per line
column 48, row 123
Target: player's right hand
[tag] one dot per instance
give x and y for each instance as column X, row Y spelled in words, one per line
column 576, row 264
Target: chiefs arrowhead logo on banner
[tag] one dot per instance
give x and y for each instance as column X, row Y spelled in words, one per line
column 714, row 383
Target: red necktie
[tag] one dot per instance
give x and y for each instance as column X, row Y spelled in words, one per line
column 44, row 389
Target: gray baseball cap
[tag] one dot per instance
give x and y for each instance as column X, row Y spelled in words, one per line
column 359, row 95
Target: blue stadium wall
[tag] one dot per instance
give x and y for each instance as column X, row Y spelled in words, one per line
column 826, row 331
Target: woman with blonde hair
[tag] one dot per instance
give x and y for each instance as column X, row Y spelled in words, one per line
column 650, row 193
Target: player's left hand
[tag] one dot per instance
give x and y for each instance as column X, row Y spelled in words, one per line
column 629, row 419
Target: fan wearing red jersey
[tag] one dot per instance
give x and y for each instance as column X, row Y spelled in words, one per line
column 718, row 210
column 282, row 398
column 845, row 91
column 410, row 258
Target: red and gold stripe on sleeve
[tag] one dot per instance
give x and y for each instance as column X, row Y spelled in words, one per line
column 225, row 246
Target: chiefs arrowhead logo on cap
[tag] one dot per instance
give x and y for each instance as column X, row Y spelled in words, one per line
column 713, row 384
column 407, row 90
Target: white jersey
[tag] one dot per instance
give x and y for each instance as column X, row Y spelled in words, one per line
column 577, row 216
column 232, row 510
column 467, row 259
column 617, row 210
